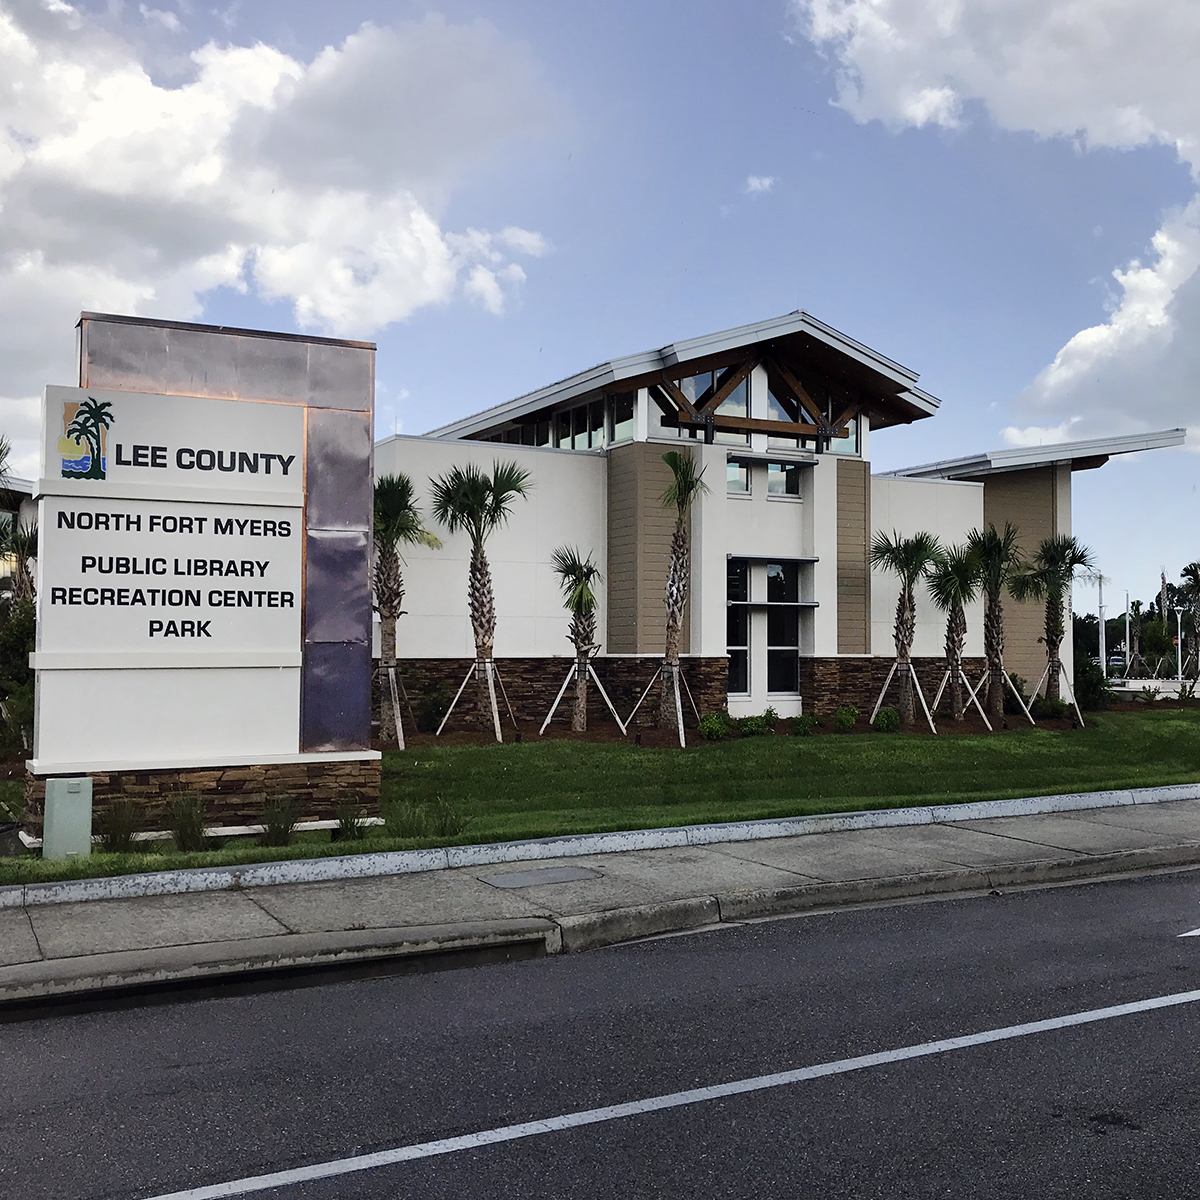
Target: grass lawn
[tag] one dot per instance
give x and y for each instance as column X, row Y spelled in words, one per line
column 539, row 789
column 542, row 789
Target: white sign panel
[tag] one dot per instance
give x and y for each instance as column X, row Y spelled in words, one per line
column 151, row 575
column 170, row 580
column 98, row 443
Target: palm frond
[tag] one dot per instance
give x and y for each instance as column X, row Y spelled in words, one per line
column 686, row 482
column 998, row 554
column 1052, row 568
column 397, row 517
column 467, row 498
column 907, row 557
column 508, row 481
column 953, row 579
column 576, row 575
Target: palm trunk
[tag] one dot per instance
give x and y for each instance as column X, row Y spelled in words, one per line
column 956, row 635
column 1054, row 636
column 993, row 648
column 906, row 626
column 582, row 633
column 389, row 596
column 482, row 604
column 678, row 577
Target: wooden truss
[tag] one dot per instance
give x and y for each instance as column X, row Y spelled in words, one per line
column 806, row 417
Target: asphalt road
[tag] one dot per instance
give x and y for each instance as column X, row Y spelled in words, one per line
column 143, row 1103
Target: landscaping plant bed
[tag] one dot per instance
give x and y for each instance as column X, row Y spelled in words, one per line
column 563, row 785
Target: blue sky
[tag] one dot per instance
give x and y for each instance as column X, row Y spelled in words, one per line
column 503, row 194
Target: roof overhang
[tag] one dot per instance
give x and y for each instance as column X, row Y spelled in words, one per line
column 890, row 383
column 1080, row 456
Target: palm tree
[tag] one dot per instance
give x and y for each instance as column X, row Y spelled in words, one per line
column 953, row 582
column 910, row 559
column 397, row 522
column 1048, row 577
column 576, row 575
column 1190, row 592
column 465, row 498
column 1137, row 664
column 90, row 420
column 19, row 545
column 686, row 484
column 999, row 560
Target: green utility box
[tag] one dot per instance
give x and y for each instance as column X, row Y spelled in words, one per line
column 67, row 825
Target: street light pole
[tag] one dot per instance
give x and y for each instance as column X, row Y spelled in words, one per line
column 1179, row 644
column 1103, row 639
column 1126, row 634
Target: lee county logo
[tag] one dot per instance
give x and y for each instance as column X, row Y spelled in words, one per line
column 84, row 441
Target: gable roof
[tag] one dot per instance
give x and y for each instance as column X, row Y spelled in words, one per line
column 887, row 378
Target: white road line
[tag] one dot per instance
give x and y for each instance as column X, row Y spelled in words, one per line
column 635, row 1108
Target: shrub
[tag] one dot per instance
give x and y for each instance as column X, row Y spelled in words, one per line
column 715, row 725
column 444, row 819
column 1149, row 695
column 1011, row 707
column 803, row 725
column 887, row 721
column 279, row 817
column 17, row 638
column 423, row 819
column 844, row 718
column 758, row 724
column 352, row 826
column 1047, row 709
column 1092, row 689
column 432, row 709
column 117, row 826
column 404, row 819
column 184, row 818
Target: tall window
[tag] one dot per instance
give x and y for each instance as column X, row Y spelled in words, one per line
column 783, row 627
column 580, row 428
column 783, row 479
column 737, row 404
column 737, row 478
column 776, row 411
column 737, row 625
column 622, row 416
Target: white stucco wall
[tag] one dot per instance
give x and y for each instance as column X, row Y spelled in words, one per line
column 566, row 506
column 948, row 510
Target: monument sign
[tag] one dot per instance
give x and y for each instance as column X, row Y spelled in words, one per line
column 188, row 566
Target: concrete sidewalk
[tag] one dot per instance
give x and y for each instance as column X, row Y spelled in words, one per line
column 416, row 921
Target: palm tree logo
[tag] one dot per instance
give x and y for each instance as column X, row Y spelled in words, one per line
column 84, row 446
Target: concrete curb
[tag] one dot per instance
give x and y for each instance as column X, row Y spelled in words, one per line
column 402, row 862
column 101, row 974
column 748, row 905
column 27, row 989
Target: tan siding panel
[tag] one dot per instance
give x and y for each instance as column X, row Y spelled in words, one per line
column 1026, row 499
column 623, row 471
column 853, row 565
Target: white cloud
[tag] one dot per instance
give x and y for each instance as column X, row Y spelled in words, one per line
column 1037, row 435
column 483, row 286
column 318, row 183
column 757, row 184
column 157, row 16
column 1099, row 72
column 524, row 241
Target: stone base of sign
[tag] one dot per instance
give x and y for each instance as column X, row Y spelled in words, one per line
column 231, row 795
